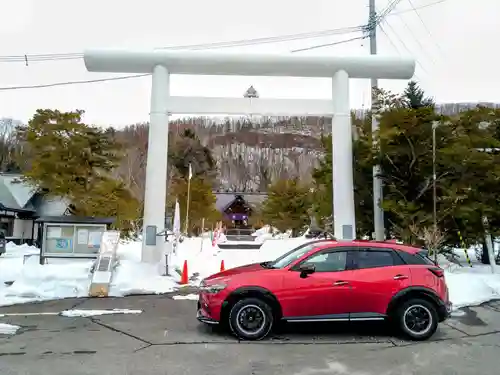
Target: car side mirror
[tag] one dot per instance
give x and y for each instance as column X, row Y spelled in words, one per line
column 306, row 269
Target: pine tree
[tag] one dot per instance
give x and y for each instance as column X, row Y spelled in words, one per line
column 201, row 202
column 287, row 205
column 188, row 149
column 64, row 157
column 414, row 97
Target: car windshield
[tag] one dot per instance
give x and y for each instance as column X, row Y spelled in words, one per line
column 292, row 255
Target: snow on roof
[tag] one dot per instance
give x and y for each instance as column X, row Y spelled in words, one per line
column 13, row 192
column 224, row 199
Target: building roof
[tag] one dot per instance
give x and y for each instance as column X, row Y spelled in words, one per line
column 75, row 220
column 15, row 194
column 223, row 200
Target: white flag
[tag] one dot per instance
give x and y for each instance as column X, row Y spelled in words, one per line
column 177, row 219
column 190, row 172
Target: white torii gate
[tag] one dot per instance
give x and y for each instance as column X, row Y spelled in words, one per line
column 164, row 63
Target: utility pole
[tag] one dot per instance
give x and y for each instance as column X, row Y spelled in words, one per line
column 378, row 213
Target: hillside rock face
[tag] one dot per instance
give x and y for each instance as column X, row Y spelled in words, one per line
column 255, row 150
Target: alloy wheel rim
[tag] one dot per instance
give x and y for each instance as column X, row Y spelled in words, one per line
column 251, row 319
column 417, row 320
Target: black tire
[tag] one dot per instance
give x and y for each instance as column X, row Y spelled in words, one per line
column 427, row 319
column 257, row 308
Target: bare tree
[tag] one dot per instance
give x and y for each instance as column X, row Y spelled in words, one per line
column 432, row 237
column 9, row 145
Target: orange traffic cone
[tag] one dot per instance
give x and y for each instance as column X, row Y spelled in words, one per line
column 184, row 275
column 222, row 268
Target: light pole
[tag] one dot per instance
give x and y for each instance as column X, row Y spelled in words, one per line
column 435, row 124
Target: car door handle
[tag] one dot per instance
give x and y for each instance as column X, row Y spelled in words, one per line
column 400, row 277
column 340, row 283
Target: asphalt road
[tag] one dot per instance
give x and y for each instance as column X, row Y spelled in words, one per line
column 167, row 339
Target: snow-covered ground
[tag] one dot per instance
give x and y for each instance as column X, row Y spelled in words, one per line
column 70, row 278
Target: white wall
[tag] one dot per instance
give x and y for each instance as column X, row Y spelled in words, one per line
column 22, row 228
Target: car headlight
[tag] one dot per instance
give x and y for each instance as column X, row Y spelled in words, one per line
column 215, row 288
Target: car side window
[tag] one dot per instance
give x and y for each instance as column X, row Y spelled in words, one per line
column 374, row 259
column 333, row 261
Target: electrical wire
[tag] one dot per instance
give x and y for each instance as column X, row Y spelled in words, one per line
column 71, row 56
column 67, row 83
column 421, row 46
column 404, row 45
column 388, row 9
column 330, row 44
column 244, row 42
column 203, row 46
column 365, row 28
column 418, row 8
column 425, row 27
column 73, row 82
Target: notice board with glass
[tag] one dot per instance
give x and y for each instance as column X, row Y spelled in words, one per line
column 72, row 240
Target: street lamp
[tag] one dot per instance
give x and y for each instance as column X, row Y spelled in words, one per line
column 435, row 124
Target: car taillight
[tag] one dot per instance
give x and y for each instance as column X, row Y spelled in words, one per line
column 439, row 272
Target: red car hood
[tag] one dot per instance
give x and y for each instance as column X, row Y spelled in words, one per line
column 255, row 267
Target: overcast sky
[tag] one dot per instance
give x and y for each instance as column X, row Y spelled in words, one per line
column 457, row 60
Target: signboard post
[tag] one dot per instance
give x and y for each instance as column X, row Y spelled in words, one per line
column 103, row 272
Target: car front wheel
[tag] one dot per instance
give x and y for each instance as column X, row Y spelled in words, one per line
column 417, row 319
column 251, row 319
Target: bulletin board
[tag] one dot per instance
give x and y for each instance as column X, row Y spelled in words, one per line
column 72, row 240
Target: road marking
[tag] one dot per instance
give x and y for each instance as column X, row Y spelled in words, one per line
column 30, row 314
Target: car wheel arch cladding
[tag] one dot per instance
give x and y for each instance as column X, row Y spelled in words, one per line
column 255, row 292
column 413, row 292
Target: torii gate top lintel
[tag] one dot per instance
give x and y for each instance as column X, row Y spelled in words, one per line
column 213, row 63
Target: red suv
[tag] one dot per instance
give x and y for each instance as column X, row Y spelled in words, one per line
column 328, row 281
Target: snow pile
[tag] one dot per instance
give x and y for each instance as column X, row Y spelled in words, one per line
column 90, row 313
column 8, row 329
column 13, row 258
column 473, row 286
column 139, row 278
column 35, row 282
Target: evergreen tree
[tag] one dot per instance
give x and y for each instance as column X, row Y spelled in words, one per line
column 287, row 205
column 65, row 157
column 188, row 149
column 414, row 97
column 201, row 202
column 467, row 171
column 476, row 179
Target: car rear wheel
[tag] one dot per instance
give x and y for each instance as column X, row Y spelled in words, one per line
column 417, row 319
column 251, row 319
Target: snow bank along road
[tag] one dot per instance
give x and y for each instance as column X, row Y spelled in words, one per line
column 166, row 338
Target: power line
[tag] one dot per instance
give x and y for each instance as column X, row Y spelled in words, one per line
column 418, row 8
column 330, row 44
column 388, row 9
column 68, row 56
column 73, row 82
column 67, row 83
column 267, row 40
column 202, row 46
column 425, row 26
column 422, row 48
column 397, row 49
column 367, row 28
column 244, row 42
